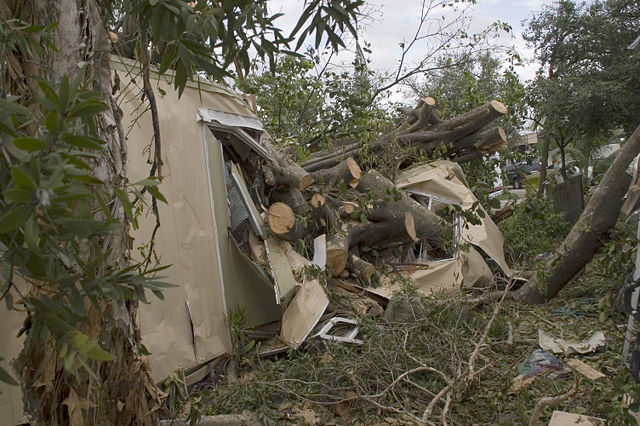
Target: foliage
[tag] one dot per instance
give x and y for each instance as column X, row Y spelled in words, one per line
column 533, row 229
column 174, row 387
column 307, row 106
column 471, row 81
column 438, row 333
column 589, row 79
column 211, row 36
column 55, row 217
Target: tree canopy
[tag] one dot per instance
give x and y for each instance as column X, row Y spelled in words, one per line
column 589, row 80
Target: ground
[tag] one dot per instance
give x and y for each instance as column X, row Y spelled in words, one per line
column 408, row 352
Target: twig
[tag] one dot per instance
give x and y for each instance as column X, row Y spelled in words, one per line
column 156, row 166
column 471, row 373
column 552, row 400
column 445, row 410
column 480, row 342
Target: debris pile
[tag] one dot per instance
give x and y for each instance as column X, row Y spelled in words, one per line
column 328, row 221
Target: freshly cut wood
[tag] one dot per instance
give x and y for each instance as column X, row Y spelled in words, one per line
column 360, row 268
column 347, row 209
column 317, row 200
column 337, row 252
column 422, row 114
column 410, row 226
column 282, row 222
column 355, row 171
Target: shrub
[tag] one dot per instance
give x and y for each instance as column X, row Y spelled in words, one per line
column 532, row 229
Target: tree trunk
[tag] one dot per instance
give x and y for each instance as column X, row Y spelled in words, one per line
column 544, row 160
column 393, row 204
column 587, row 235
column 425, row 131
column 123, row 392
column 563, row 161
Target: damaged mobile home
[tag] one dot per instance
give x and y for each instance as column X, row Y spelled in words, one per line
column 238, row 235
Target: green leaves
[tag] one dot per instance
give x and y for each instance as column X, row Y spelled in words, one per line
column 14, row 218
column 326, row 20
column 88, row 347
column 82, row 141
column 56, row 217
column 29, row 144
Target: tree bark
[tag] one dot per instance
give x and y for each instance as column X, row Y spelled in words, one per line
column 348, row 171
column 591, row 229
column 393, row 204
column 544, row 160
column 124, row 392
column 360, row 268
column 425, row 131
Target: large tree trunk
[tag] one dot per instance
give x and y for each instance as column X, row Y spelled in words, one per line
column 587, row 235
column 460, row 135
column 123, row 393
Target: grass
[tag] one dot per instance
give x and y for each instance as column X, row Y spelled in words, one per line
column 339, row 383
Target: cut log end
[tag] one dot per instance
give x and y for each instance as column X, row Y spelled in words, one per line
column 503, row 134
column 410, row 226
column 305, row 181
column 429, row 101
column 355, row 171
column 317, row 200
column 280, row 218
column 337, row 253
column 499, row 107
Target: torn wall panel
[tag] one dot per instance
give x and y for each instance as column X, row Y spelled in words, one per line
column 445, row 180
column 303, row 313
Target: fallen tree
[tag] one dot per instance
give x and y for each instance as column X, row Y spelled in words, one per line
column 588, row 233
column 461, row 136
column 362, row 210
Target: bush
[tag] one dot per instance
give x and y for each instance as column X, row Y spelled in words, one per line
column 532, row 229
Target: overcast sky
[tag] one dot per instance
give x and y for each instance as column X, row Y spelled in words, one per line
column 396, row 20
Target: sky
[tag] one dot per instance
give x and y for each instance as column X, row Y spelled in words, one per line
column 397, row 20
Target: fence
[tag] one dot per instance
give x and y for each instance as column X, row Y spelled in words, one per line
column 567, row 197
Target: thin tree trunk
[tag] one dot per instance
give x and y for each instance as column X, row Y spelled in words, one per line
column 544, row 160
column 563, row 159
column 588, row 233
column 123, row 392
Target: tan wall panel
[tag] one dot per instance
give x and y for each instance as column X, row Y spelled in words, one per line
column 10, row 396
column 186, row 238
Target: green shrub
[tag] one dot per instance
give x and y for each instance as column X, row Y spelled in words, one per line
column 532, row 229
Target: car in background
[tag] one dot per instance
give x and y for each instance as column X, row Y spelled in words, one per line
column 516, row 172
